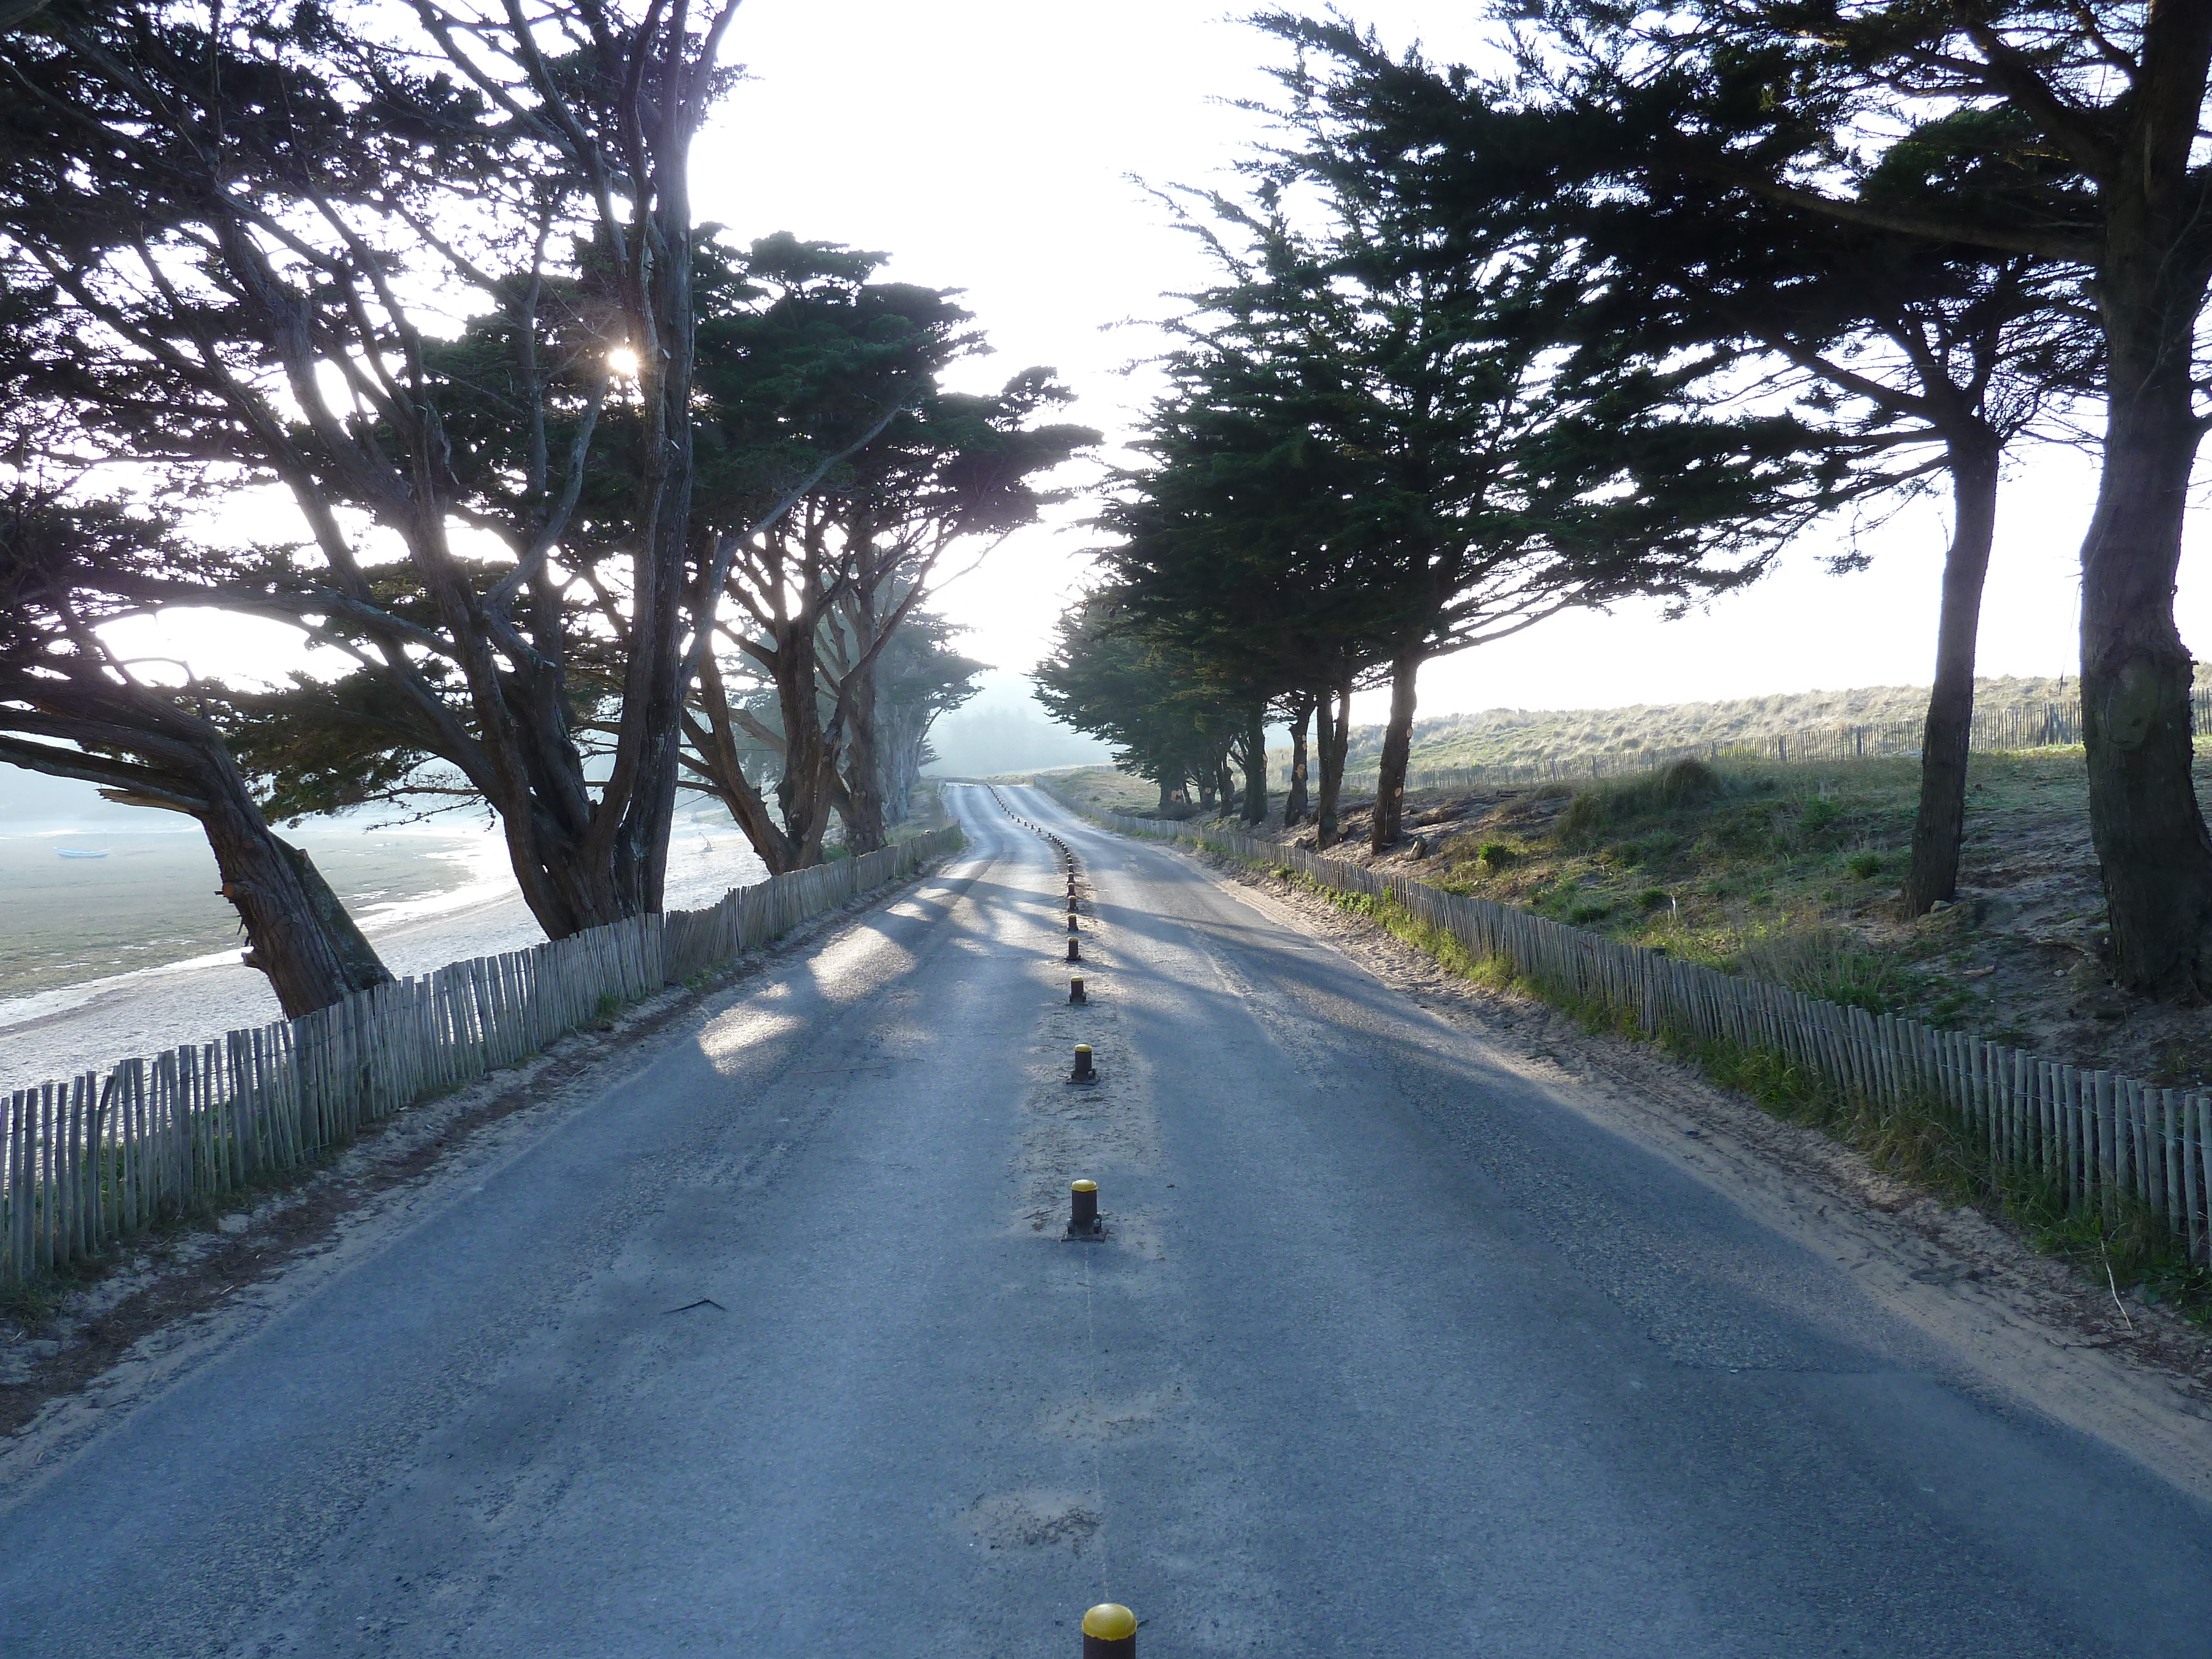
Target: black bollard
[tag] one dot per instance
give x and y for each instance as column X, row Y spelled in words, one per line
column 1083, row 1220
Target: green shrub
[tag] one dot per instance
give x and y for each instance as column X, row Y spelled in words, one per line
column 1495, row 855
column 1820, row 814
column 1655, row 899
column 1581, row 916
column 1673, row 787
column 1865, row 865
column 1687, row 783
column 1579, row 822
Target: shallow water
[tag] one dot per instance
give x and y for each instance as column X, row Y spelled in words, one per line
column 101, row 959
column 152, row 901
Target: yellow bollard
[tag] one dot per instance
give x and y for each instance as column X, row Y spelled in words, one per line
column 1109, row 1631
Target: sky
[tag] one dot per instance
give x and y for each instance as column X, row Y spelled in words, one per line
column 991, row 146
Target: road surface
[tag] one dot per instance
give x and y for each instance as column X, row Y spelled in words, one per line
column 776, row 1350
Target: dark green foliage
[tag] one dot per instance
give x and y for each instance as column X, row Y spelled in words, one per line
column 1678, row 786
column 1155, row 701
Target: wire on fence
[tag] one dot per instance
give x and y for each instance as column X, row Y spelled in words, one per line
column 2101, row 1139
column 96, row 1157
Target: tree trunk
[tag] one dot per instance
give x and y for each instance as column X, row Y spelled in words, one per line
column 2136, row 674
column 1939, row 824
column 1255, row 765
column 1397, row 751
column 720, row 762
column 809, row 761
column 1335, row 743
column 297, row 933
column 1294, row 804
column 1206, row 782
column 863, row 808
column 1167, row 798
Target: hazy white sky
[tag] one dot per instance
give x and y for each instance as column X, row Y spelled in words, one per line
column 988, row 144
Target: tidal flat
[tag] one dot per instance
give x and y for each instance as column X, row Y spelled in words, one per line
column 152, row 901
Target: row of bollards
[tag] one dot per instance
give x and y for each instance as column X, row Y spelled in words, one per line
column 1109, row 1630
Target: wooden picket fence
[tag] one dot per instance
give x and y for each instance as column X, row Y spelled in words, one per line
column 92, row 1159
column 1994, row 731
column 2102, row 1139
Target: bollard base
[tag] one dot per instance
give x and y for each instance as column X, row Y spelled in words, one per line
column 1094, row 1234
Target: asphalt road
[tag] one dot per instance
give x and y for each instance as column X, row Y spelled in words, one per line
column 776, row 1350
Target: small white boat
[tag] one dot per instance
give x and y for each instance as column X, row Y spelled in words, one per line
column 79, row 853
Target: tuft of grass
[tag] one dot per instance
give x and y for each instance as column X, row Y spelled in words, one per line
column 1865, row 865
column 1677, row 787
column 1653, row 898
column 1832, row 963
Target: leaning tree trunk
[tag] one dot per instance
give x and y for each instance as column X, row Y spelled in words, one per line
column 1397, row 751
column 1336, row 744
column 1256, row 764
column 1294, row 803
column 718, row 758
column 297, row 933
column 1939, row 826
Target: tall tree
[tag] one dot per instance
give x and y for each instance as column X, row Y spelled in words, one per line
column 2116, row 89
column 1239, row 540
column 918, row 676
column 251, row 218
column 809, row 369
column 1500, row 486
